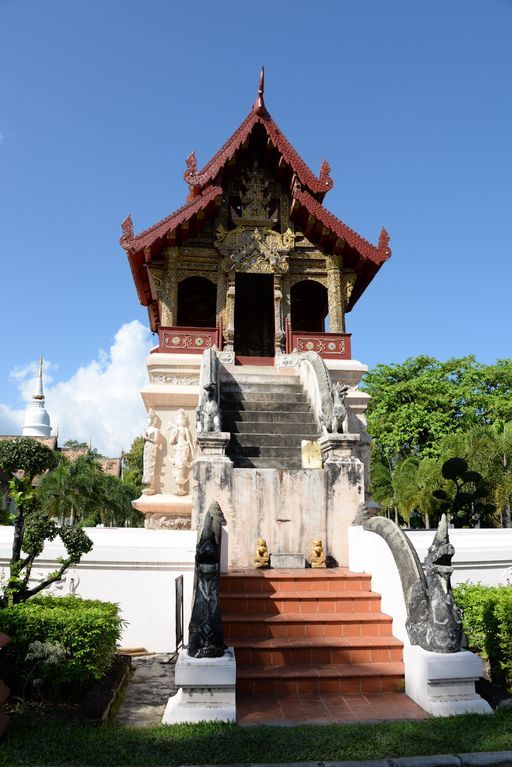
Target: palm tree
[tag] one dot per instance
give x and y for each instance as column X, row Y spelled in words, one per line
column 71, row 491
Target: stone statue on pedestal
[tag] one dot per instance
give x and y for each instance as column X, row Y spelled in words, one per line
column 340, row 413
column 433, row 620
column 205, row 633
column 151, row 438
column 208, row 415
column 181, row 438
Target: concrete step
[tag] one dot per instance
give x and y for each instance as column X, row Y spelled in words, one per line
column 298, row 431
column 248, row 437
column 258, row 406
column 315, row 680
column 237, row 389
column 261, row 397
column 269, row 463
column 269, row 417
column 301, row 625
column 282, row 451
column 259, row 378
column 296, row 602
column 319, row 651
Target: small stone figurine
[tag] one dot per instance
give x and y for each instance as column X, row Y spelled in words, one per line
column 262, row 558
column 317, row 556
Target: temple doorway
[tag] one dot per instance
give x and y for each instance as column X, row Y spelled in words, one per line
column 254, row 315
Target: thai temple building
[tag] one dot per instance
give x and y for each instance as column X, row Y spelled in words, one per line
column 248, row 286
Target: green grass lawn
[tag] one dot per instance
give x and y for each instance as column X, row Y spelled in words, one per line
column 36, row 740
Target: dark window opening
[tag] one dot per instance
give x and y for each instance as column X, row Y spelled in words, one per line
column 197, row 299
column 309, row 306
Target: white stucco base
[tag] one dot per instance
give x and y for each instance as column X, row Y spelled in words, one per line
column 444, row 683
column 207, row 690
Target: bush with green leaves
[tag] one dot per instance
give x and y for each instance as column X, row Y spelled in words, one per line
column 88, row 630
column 487, row 619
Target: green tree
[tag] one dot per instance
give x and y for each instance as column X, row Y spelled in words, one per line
column 22, row 460
column 417, row 403
column 71, row 492
column 133, row 465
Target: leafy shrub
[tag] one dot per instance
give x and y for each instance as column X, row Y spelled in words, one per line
column 87, row 629
column 487, row 618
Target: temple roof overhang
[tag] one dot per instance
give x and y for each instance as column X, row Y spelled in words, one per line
column 307, row 191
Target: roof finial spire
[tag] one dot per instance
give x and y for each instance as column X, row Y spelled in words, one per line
column 39, row 388
column 259, row 104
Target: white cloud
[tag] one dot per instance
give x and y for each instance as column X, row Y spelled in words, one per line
column 101, row 401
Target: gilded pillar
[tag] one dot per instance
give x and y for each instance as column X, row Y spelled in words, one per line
column 229, row 329
column 278, row 314
column 335, row 295
column 221, row 297
column 168, row 293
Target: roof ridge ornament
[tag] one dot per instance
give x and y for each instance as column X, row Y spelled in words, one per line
column 127, row 235
column 383, row 246
column 259, row 104
column 325, row 175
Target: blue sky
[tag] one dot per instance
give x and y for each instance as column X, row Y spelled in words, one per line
column 100, row 103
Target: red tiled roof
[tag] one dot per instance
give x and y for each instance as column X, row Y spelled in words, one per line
column 197, row 180
column 376, row 253
column 147, row 237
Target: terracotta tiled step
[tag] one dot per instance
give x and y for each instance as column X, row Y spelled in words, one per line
column 315, row 680
column 269, row 581
column 306, row 602
column 295, row 625
column 318, row 651
column 328, row 708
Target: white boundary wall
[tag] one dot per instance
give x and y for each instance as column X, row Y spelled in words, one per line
column 483, row 556
column 137, row 569
column 134, row 567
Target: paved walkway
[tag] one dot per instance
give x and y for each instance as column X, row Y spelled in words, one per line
column 152, row 683
column 148, row 690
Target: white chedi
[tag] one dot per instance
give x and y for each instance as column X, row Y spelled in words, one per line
column 37, row 420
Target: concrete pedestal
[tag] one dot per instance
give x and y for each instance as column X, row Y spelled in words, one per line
column 444, row 683
column 207, row 690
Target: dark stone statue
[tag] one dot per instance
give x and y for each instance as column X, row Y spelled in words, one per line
column 205, row 633
column 433, row 620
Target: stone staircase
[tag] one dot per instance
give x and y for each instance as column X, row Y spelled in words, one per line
column 311, row 632
column 268, row 415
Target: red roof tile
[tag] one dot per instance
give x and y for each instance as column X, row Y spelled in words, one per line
column 199, row 179
column 376, row 253
column 133, row 243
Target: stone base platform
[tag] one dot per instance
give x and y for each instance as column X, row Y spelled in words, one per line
column 206, row 690
column 444, row 683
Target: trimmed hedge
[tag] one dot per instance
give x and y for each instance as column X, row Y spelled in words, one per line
column 88, row 629
column 487, row 617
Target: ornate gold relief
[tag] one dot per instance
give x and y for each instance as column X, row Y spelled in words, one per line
column 254, row 250
column 349, row 280
column 253, row 245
